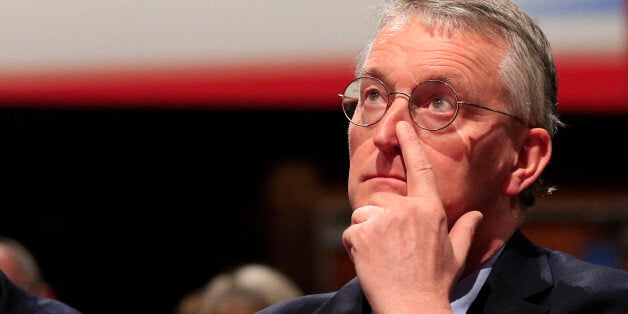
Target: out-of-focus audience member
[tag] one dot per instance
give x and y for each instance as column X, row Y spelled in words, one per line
column 19, row 264
column 22, row 289
column 244, row 290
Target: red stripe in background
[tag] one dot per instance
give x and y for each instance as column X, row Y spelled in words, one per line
column 594, row 84
column 586, row 85
column 243, row 87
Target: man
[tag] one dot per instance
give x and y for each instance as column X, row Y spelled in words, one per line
column 22, row 290
column 452, row 116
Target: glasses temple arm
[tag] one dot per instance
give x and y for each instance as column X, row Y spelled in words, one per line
column 491, row 109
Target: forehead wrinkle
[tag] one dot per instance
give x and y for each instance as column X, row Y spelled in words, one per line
column 436, row 72
column 435, row 63
column 381, row 65
column 465, row 69
column 452, row 72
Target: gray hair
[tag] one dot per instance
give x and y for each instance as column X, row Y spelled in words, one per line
column 527, row 70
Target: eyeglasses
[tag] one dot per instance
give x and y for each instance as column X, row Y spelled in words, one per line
column 433, row 104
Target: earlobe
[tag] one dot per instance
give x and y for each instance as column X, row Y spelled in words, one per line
column 533, row 156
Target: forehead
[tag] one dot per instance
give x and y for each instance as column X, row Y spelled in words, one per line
column 406, row 49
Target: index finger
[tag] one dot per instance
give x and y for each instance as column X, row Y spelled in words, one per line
column 419, row 173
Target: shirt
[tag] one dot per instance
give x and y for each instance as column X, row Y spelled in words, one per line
column 467, row 288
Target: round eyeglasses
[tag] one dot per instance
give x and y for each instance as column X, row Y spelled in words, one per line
column 433, row 104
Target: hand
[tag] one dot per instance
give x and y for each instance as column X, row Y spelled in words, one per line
column 404, row 256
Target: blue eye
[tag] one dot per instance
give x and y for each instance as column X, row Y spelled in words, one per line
column 441, row 105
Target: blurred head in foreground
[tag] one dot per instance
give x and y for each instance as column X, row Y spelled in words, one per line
column 245, row 290
column 17, row 262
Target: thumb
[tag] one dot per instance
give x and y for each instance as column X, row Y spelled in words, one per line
column 462, row 234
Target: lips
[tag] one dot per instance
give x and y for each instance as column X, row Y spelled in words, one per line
column 392, row 183
column 385, row 176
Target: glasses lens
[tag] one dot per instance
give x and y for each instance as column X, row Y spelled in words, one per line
column 364, row 101
column 433, row 105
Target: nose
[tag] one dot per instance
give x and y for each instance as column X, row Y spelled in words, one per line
column 385, row 137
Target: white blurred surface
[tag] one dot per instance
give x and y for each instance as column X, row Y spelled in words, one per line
column 58, row 33
column 50, row 34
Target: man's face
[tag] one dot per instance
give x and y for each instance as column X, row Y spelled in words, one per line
column 471, row 157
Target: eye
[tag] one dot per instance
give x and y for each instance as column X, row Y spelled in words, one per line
column 434, row 105
column 441, row 105
column 372, row 94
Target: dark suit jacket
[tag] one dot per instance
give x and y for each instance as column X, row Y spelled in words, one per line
column 525, row 279
column 15, row 300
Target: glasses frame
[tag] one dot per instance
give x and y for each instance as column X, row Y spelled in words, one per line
column 388, row 94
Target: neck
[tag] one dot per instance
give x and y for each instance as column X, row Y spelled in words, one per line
column 496, row 228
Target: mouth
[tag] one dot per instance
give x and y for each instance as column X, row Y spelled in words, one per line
column 385, row 177
column 386, row 183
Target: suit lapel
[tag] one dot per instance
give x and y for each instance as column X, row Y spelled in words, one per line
column 519, row 282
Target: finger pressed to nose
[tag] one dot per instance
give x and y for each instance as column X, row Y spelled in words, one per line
column 419, row 173
column 386, row 135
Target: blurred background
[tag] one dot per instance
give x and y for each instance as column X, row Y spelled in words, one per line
column 146, row 146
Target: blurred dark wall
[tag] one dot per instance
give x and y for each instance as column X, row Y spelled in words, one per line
column 136, row 208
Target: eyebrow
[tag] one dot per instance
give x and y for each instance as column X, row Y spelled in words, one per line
column 439, row 76
column 371, row 72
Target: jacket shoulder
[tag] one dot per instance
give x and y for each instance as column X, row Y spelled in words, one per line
column 560, row 282
column 583, row 286
column 569, row 269
column 305, row 304
column 15, row 300
column 527, row 278
column 348, row 299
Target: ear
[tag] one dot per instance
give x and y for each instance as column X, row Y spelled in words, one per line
column 535, row 151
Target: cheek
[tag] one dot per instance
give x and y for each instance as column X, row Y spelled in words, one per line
column 359, row 153
column 448, row 152
column 451, row 167
column 357, row 147
column 470, row 169
column 462, row 166
column 492, row 157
